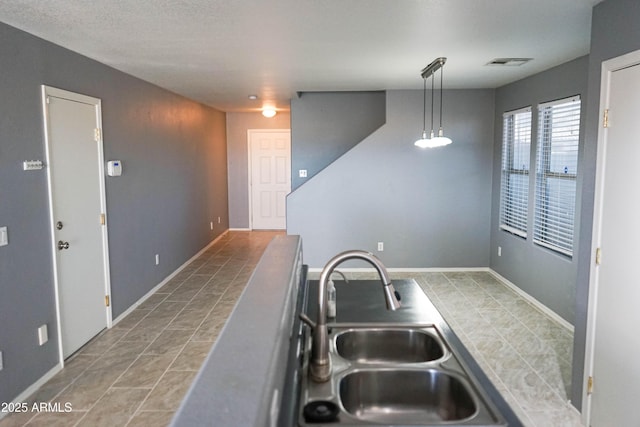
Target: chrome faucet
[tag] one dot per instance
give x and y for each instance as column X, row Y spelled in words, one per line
column 320, row 363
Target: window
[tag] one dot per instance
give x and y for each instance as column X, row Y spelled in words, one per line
column 514, row 190
column 556, row 172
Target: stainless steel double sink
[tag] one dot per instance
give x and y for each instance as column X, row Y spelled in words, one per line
column 394, row 374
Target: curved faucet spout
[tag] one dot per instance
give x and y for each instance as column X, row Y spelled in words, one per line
column 320, row 364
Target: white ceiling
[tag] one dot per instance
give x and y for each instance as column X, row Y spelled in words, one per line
column 220, row 51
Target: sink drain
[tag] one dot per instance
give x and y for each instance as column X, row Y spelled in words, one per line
column 321, row 411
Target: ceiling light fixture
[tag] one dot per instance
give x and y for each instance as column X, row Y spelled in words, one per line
column 440, row 140
column 268, row 112
column 253, row 97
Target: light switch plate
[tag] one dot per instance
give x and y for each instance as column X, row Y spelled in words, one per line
column 43, row 334
column 4, row 236
column 302, row 173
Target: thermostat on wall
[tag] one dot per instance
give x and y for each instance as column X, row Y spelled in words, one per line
column 114, row 168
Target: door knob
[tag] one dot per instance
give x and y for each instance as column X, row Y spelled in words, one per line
column 62, row 245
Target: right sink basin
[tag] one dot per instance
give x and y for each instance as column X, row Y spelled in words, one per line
column 385, row 345
column 406, row 396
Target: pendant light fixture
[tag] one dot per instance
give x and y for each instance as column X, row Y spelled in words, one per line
column 440, row 140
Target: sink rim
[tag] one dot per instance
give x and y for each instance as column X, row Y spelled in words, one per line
column 429, row 330
column 471, row 392
column 486, row 413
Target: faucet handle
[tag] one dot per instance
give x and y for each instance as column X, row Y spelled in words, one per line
column 307, row 320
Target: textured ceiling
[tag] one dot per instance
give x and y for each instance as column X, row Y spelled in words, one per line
column 220, row 51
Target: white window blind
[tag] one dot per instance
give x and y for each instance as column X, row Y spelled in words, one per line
column 556, row 173
column 514, row 191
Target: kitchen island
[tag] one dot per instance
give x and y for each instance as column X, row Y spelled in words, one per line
column 254, row 372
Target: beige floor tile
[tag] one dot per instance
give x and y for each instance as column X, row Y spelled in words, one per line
column 191, row 357
column 169, row 342
column 54, row 419
column 188, row 320
column 145, row 371
column 151, row 418
column 115, row 408
column 169, row 392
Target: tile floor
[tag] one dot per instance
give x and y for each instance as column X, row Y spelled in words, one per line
column 137, row 373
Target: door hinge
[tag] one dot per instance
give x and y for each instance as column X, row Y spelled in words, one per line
column 103, row 219
column 605, row 119
column 106, row 300
column 97, row 134
column 598, row 256
column 590, row 385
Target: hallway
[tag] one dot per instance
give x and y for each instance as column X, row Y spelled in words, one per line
column 137, row 373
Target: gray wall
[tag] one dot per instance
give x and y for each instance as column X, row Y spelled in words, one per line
column 327, row 125
column 238, row 161
column 431, row 208
column 546, row 275
column 174, row 184
column 614, row 32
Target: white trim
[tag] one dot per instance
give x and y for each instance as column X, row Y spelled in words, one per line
column 249, row 166
column 22, row 397
column 537, row 304
column 527, row 109
column 239, row 229
column 547, row 104
column 47, row 91
column 608, row 67
column 166, row 280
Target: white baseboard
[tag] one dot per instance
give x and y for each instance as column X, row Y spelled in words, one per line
column 537, row 304
column 165, row 280
column 239, row 229
column 22, row 397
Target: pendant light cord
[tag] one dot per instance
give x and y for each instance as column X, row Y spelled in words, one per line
column 431, row 103
column 424, row 107
column 441, row 72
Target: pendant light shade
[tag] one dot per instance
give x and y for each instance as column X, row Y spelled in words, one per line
column 440, row 140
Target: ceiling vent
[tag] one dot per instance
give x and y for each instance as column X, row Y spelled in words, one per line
column 509, row 62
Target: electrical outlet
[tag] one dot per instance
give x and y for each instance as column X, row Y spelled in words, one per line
column 302, row 173
column 43, row 335
column 499, row 250
column 380, row 246
column 218, row 220
column 4, row 236
column 157, row 259
column 211, row 225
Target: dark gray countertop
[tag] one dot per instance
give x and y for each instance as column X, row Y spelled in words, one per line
column 242, row 380
column 363, row 301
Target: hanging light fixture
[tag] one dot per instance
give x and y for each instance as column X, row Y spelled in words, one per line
column 424, row 141
column 440, row 140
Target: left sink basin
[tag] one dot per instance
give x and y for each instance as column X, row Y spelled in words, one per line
column 388, row 345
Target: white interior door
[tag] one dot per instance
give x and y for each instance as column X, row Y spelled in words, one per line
column 270, row 154
column 615, row 295
column 74, row 149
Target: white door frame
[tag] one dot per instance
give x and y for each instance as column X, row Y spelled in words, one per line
column 250, row 132
column 608, row 67
column 72, row 96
